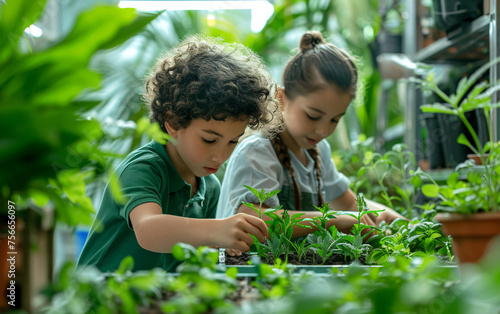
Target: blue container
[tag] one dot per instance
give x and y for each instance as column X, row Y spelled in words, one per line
column 80, row 238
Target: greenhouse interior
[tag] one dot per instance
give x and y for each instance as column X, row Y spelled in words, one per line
column 295, row 156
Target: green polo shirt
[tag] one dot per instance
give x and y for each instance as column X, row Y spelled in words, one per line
column 146, row 175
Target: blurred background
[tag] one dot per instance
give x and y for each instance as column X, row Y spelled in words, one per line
column 56, row 167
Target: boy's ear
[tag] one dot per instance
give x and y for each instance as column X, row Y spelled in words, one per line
column 171, row 130
column 281, row 97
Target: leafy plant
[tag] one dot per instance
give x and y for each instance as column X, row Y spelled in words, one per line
column 482, row 190
column 325, row 242
column 326, row 214
column 281, row 231
column 262, row 196
column 300, row 247
column 280, row 227
column 352, row 245
column 396, row 169
column 195, row 259
column 198, row 289
column 87, row 290
column 409, row 240
column 45, row 139
column 275, row 281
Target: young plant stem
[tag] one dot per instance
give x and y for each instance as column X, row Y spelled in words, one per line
column 385, row 195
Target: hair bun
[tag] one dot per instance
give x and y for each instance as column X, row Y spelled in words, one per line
column 310, row 40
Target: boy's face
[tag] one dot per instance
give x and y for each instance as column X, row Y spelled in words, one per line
column 202, row 147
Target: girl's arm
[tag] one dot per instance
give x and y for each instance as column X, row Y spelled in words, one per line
column 347, row 201
column 343, row 223
column 159, row 232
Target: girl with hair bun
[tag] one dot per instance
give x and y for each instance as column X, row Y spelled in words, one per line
column 293, row 156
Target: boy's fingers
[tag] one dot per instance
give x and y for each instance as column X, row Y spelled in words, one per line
column 233, row 252
column 260, row 224
column 253, row 230
column 245, row 237
column 243, row 246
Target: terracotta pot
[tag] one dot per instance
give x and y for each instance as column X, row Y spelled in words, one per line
column 476, row 158
column 471, row 234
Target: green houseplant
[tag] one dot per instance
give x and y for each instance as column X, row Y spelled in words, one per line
column 471, row 207
column 48, row 144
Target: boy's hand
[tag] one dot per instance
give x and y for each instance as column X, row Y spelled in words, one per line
column 233, row 252
column 389, row 216
column 235, row 232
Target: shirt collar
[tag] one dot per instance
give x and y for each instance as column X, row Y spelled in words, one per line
column 176, row 182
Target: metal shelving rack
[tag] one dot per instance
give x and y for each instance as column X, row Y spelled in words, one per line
column 465, row 44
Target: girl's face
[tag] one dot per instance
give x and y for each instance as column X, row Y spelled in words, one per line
column 313, row 117
column 200, row 149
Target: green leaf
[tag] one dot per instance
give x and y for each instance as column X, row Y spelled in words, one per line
column 297, row 216
column 474, row 177
column 254, row 191
column 404, row 194
column 271, row 194
column 462, row 86
column 179, row 253
column 93, row 30
column 141, row 20
column 452, row 179
column 125, row 265
column 430, row 190
column 232, row 272
column 416, row 181
column 144, row 282
column 462, row 139
column 478, row 73
column 439, row 108
column 116, row 189
column 39, row 197
column 435, row 235
column 362, row 171
column 15, row 17
column 251, row 205
column 63, row 90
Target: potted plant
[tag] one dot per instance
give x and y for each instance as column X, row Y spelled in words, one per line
column 470, row 208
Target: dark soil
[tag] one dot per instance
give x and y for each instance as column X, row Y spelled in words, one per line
column 311, row 258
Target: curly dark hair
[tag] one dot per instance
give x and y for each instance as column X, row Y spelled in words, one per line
column 206, row 78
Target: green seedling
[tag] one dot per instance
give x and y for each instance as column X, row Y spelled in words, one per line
column 394, row 167
column 280, row 227
column 408, row 241
column 326, row 214
column 352, row 245
column 325, row 242
column 300, row 247
column 262, row 196
column 281, row 231
column 198, row 289
column 195, row 259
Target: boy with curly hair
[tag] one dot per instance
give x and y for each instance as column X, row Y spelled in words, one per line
column 203, row 94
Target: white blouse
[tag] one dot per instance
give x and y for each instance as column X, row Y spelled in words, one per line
column 255, row 163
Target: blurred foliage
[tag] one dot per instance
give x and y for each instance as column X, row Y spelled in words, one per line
column 48, row 147
column 399, row 285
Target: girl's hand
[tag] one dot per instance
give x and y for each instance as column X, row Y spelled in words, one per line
column 235, row 231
